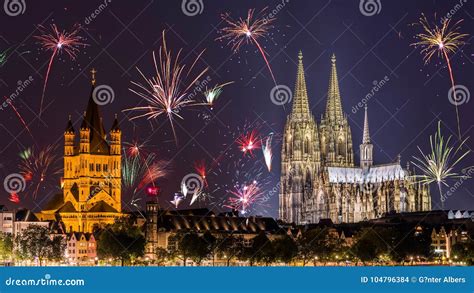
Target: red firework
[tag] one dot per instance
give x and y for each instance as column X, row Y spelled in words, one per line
column 14, row 197
column 248, row 30
column 249, row 142
column 201, row 169
column 57, row 41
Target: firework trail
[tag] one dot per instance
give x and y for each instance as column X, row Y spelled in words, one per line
column 3, row 56
column 267, row 152
column 213, row 94
column 438, row 165
column 20, row 118
column 58, row 41
column 165, row 93
column 38, row 167
column 248, row 30
column 178, row 198
column 441, row 41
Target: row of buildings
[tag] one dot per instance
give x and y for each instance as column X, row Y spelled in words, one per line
column 446, row 228
column 81, row 248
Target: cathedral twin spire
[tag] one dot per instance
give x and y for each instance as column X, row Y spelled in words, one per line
column 301, row 109
column 334, row 112
column 300, row 102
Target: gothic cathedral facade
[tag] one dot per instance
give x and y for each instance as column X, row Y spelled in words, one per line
column 319, row 179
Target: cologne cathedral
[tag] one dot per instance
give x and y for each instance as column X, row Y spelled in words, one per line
column 319, row 179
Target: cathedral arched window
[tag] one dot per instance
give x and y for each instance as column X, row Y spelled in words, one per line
column 306, row 145
column 341, row 146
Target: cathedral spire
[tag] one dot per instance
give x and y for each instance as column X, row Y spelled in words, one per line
column 366, row 148
column 333, row 106
column 366, row 136
column 300, row 99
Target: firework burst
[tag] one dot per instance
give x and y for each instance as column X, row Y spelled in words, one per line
column 248, row 142
column 213, row 94
column 438, row 166
column 165, row 93
column 136, row 148
column 138, row 172
column 58, row 41
column 441, row 41
column 39, row 167
column 242, row 197
column 248, row 30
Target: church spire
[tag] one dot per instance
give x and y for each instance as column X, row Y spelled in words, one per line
column 300, row 100
column 333, row 106
column 366, row 136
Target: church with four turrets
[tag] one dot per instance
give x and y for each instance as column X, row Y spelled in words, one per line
column 91, row 185
column 319, row 179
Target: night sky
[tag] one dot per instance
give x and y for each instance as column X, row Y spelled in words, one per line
column 402, row 114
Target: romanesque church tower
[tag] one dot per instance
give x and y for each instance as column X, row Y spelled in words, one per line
column 91, row 185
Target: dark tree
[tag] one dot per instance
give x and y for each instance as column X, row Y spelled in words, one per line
column 120, row 240
column 211, row 243
column 285, row 249
column 368, row 245
column 35, row 242
column 261, row 250
column 6, row 246
column 229, row 247
column 162, row 256
column 313, row 243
